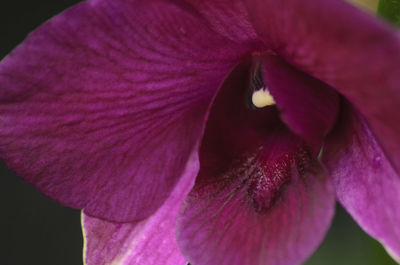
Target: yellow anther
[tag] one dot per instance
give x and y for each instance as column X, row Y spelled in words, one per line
column 262, row 98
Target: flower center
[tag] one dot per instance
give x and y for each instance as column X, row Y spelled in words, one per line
column 260, row 97
column 248, row 153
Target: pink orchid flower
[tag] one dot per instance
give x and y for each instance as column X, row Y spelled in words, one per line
column 209, row 132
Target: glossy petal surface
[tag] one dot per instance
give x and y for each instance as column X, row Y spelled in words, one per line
column 259, row 197
column 151, row 241
column 352, row 51
column 101, row 107
column 366, row 184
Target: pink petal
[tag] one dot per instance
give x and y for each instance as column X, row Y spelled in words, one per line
column 308, row 106
column 101, row 107
column 366, row 184
column 151, row 241
column 344, row 47
column 258, row 198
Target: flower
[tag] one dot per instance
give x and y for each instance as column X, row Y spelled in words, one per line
column 131, row 109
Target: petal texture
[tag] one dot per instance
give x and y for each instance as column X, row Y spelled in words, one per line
column 151, row 241
column 366, row 184
column 258, row 198
column 101, row 107
column 228, row 18
column 344, row 47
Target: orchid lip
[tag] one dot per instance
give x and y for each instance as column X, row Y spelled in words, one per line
column 254, row 173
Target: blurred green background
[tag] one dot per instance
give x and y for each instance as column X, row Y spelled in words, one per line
column 36, row 230
column 347, row 244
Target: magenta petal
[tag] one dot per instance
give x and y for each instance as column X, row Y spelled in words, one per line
column 366, row 184
column 344, row 47
column 222, row 222
column 151, row 241
column 101, row 107
column 257, row 198
column 228, row 18
column 308, row 106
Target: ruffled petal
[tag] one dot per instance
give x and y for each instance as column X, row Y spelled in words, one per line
column 366, row 184
column 308, row 106
column 101, row 107
column 260, row 197
column 344, row 47
column 151, row 241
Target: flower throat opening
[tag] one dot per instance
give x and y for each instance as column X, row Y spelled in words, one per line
column 247, row 152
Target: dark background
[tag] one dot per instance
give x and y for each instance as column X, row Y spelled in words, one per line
column 35, row 230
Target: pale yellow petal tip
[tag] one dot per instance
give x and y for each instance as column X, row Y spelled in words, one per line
column 84, row 240
column 262, row 98
column 368, row 5
column 392, row 254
